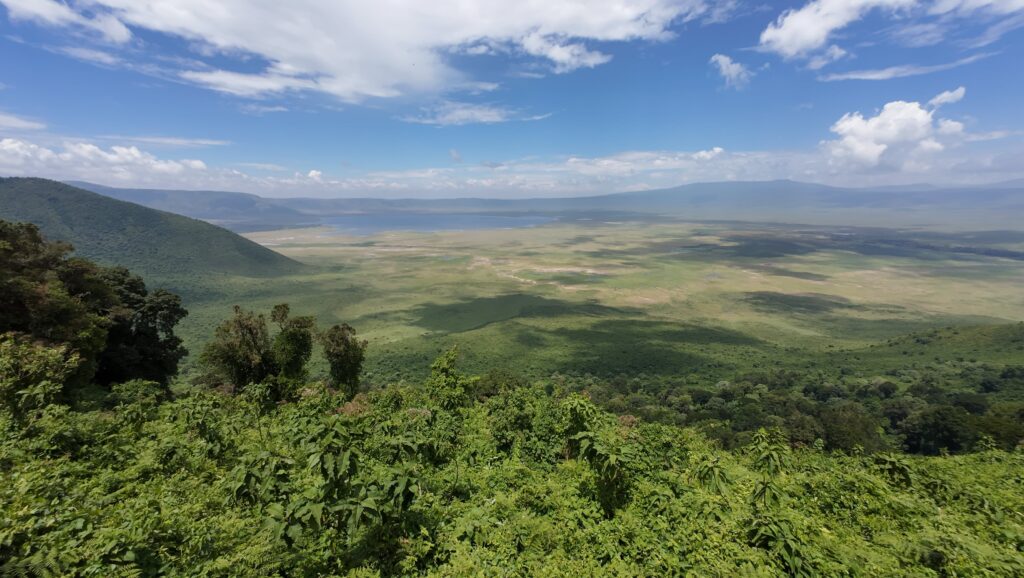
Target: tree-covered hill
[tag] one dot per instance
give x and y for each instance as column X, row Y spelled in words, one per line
column 151, row 242
column 235, row 211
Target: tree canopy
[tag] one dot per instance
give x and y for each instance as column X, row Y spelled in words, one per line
column 106, row 316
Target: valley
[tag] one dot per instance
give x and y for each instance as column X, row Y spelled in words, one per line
column 658, row 297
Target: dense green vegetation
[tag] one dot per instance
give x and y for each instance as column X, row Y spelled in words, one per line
column 156, row 244
column 257, row 469
column 462, row 476
column 106, row 318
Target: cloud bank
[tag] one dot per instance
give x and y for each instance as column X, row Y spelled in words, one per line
column 354, row 50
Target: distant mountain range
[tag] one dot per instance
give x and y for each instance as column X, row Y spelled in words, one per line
column 993, row 206
column 154, row 243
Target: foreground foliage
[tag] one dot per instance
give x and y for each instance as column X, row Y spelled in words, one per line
column 461, row 476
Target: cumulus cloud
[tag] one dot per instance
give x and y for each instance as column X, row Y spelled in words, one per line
column 902, row 136
column 807, row 32
column 11, row 122
column 556, row 176
column 450, row 113
column 565, row 56
column 707, row 154
column 896, row 144
column 735, row 74
column 355, row 50
column 801, row 32
column 87, row 161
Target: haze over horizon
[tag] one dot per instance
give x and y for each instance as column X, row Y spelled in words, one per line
column 484, row 99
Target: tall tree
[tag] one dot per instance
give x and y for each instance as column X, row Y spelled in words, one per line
column 293, row 344
column 141, row 343
column 240, row 352
column 120, row 330
column 344, row 354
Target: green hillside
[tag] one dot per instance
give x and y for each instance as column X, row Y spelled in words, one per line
column 154, row 243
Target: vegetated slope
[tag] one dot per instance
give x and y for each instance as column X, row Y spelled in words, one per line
column 151, row 242
column 236, row 211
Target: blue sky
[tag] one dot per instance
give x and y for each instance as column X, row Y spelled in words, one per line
column 402, row 98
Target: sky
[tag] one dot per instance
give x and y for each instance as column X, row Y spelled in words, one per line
column 490, row 98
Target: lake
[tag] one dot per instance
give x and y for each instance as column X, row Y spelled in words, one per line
column 373, row 223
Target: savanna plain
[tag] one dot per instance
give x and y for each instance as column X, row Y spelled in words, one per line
column 647, row 296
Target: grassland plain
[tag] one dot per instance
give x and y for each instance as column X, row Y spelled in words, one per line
column 691, row 300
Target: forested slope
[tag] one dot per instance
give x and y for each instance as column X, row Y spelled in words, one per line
column 151, row 242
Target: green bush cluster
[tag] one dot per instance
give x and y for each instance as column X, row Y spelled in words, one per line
column 459, row 476
column 950, row 407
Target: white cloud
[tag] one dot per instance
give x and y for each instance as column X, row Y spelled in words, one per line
column 801, row 32
column 920, row 34
column 83, row 160
column 901, row 71
column 90, row 55
column 548, row 176
column 53, row 13
column 904, row 142
column 450, row 113
column 823, row 59
column 356, row 49
column 11, row 122
column 455, row 155
column 902, row 136
column 708, row 154
column 565, row 56
column 948, row 97
column 735, row 74
column 966, row 7
column 805, row 32
column 262, row 109
column 170, row 141
column 272, row 167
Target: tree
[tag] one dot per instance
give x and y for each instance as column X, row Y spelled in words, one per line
column 939, row 427
column 344, row 354
column 119, row 329
column 848, row 425
column 141, row 343
column 49, row 296
column 293, row 344
column 446, row 385
column 240, row 352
